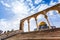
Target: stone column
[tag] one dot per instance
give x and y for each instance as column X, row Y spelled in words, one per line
column 47, row 21
column 58, row 9
column 36, row 22
column 28, row 25
column 21, row 25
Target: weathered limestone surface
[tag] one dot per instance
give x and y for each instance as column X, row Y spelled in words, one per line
column 47, row 34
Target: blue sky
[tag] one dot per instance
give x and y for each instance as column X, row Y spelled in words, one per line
column 12, row 11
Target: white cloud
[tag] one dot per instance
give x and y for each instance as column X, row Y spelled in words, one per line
column 42, row 7
column 21, row 11
column 52, row 3
column 3, row 24
column 9, row 25
column 37, row 1
column 51, row 13
column 5, row 4
column 40, row 16
column 58, row 1
column 39, row 8
column 18, row 7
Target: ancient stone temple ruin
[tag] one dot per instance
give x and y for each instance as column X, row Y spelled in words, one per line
column 44, row 34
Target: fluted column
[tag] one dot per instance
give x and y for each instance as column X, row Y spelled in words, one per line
column 47, row 21
column 36, row 22
column 28, row 25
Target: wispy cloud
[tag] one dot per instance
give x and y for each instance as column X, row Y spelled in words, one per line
column 21, row 10
column 58, row 1
column 8, row 25
column 37, row 1
column 5, row 4
column 52, row 3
